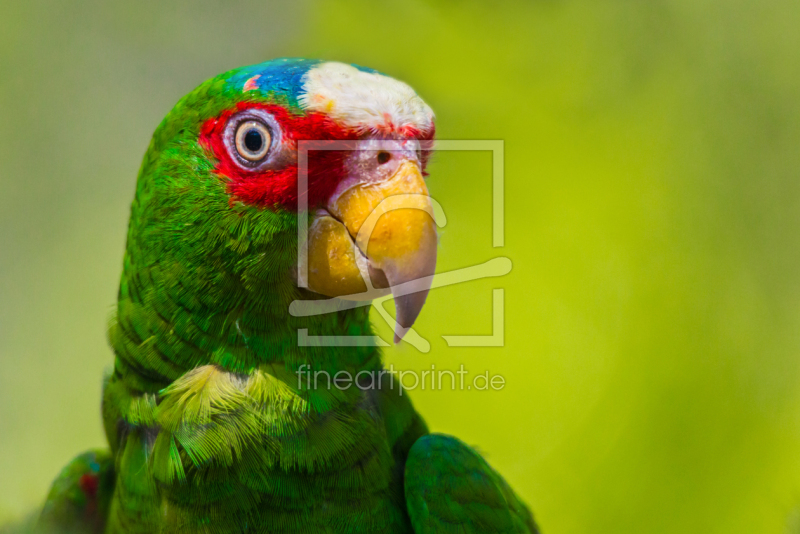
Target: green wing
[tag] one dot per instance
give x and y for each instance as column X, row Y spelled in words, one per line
column 450, row 488
column 78, row 501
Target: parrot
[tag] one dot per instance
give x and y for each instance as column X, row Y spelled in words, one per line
column 265, row 186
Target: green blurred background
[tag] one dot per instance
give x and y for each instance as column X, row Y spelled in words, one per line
column 652, row 335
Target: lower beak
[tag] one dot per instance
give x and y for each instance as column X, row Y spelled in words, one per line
column 376, row 235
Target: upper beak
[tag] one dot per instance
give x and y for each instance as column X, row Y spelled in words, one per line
column 374, row 234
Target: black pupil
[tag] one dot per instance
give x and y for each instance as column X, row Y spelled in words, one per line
column 253, row 140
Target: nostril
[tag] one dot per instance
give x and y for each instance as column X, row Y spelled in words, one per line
column 383, row 157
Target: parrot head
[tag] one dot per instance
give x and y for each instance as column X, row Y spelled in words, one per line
column 240, row 159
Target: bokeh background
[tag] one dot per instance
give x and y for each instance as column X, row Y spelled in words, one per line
column 652, row 334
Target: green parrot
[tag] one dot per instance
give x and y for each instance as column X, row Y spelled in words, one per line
column 289, row 181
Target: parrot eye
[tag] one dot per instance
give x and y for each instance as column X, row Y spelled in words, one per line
column 253, row 140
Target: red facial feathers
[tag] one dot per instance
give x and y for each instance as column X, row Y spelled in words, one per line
column 278, row 187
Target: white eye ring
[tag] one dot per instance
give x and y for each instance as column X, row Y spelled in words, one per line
column 253, row 140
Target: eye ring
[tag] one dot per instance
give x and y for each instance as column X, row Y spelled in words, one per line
column 252, row 140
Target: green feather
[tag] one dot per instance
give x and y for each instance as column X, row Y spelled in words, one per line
column 450, row 488
column 79, row 499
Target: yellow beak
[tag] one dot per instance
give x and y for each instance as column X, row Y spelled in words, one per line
column 376, row 235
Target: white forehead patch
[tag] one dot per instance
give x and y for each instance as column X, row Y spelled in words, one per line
column 365, row 101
